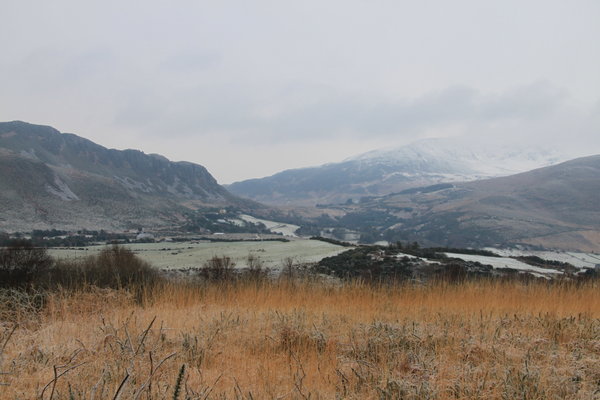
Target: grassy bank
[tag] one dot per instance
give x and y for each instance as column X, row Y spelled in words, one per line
column 280, row 339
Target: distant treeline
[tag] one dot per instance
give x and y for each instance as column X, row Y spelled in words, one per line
column 393, row 263
column 59, row 238
column 214, row 239
column 332, row 241
column 25, row 266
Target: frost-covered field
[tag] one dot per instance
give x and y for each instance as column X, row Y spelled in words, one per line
column 275, row 227
column 580, row 260
column 502, row 262
column 189, row 254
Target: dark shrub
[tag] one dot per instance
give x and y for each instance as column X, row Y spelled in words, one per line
column 454, row 273
column 256, row 271
column 218, row 269
column 22, row 264
column 114, row 267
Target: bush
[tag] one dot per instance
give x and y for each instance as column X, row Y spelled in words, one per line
column 23, row 265
column 115, row 267
column 256, row 272
column 288, row 268
column 218, row 269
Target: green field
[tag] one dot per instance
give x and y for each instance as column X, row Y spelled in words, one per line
column 191, row 254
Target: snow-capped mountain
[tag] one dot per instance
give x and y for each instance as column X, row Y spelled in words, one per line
column 553, row 207
column 385, row 171
column 466, row 158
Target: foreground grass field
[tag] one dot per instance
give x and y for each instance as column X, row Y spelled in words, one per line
column 282, row 340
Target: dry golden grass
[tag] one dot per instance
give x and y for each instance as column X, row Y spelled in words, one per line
column 306, row 340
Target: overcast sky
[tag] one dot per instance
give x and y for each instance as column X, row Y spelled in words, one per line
column 249, row 88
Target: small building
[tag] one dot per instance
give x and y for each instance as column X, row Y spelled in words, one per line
column 144, row 236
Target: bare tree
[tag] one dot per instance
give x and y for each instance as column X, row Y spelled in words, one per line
column 288, row 268
column 218, row 269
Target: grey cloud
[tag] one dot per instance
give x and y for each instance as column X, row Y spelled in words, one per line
column 50, row 67
column 531, row 101
column 270, row 74
column 323, row 112
column 454, row 105
column 191, row 61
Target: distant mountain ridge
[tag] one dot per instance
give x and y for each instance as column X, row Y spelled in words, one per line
column 553, row 207
column 53, row 179
column 386, row 171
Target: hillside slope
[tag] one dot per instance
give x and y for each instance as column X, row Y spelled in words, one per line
column 381, row 172
column 52, row 179
column 557, row 206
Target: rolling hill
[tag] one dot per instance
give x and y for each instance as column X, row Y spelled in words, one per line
column 554, row 207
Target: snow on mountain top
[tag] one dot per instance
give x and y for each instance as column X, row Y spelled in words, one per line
column 465, row 156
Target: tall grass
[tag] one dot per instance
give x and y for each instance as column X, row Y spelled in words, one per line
column 308, row 339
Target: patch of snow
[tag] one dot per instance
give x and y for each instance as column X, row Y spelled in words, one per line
column 29, row 154
column 382, row 243
column 502, row 262
column 461, row 158
column 579, row 260
column 178, row 187
column 400, row 256
column 236, row 222
column 61, row 190
column 273, row 226
column 143, row 235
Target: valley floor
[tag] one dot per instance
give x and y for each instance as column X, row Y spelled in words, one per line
column 300, row 340
column 193, row 254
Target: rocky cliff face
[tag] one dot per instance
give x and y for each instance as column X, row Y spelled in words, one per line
column 52, row 179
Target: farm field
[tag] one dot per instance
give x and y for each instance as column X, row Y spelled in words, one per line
column 580, row 260
column 177, row 255
column 276, row 227
column 504, row 262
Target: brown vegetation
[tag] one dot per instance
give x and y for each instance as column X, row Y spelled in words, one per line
column 298, row 340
